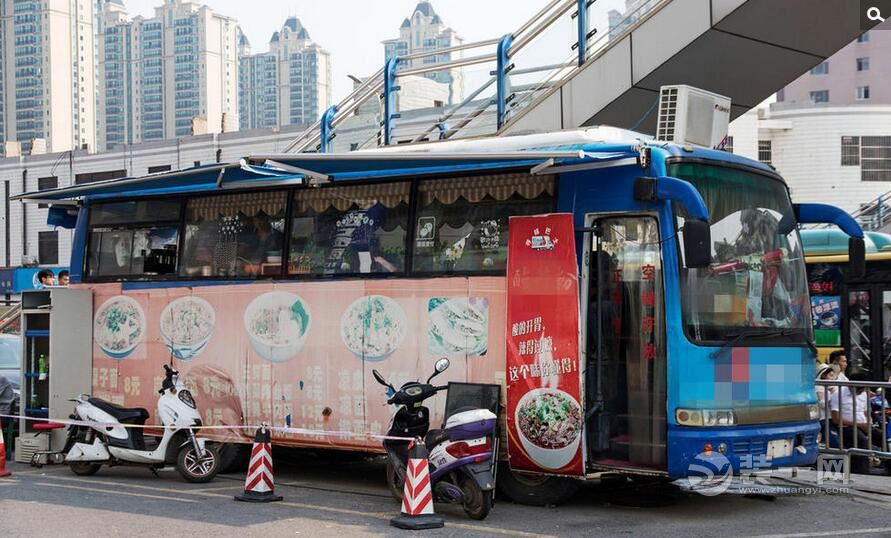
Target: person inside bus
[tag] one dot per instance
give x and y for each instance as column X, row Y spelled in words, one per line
column 826, row 372
column 840, row 359
column 851, row 414
column 63, row 278
column 259, row 243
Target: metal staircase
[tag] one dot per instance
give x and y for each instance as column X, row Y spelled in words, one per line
column 516, row 69
column 570, row 66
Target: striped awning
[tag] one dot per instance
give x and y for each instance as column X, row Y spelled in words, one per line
column 345, row 197
column 473, row 189
column 247, row 204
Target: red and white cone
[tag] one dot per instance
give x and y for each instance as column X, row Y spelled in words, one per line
column 3, row 470
column 417, row 497
column 258, row 485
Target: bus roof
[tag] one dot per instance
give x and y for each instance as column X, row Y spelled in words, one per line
column 834, row 242
column 539, row 153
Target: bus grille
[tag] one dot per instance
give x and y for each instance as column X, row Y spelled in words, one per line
column 755, row 447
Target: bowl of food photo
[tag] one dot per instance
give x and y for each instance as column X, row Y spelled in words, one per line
column 277, row 324
column 119, row 326
column 457, row 326
column 549, row 425
column 187, row 324
column 373, row 327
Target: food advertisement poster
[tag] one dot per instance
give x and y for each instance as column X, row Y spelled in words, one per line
column 544, row 410
column 296, row 354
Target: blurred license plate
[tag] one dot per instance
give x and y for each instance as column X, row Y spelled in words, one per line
column 779, row 448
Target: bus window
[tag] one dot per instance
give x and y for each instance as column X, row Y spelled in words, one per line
column 462, row 222
column 237, row 235
column 132, row 239
column 354, row 229
column 133, row 212
column 757, row 280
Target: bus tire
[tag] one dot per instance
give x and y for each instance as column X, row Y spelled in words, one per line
column 233, row 457
column 535, row 490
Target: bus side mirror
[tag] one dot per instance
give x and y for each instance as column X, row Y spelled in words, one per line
column 856, row 257
column 697, row 243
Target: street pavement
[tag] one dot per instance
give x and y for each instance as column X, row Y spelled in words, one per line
column 340, row 496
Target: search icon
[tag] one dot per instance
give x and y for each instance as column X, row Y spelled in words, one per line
column 875, row 14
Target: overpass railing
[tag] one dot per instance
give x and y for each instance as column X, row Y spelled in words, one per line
column 875, row 429
column 474, row 88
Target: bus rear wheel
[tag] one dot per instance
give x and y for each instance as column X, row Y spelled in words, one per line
column 535, row 490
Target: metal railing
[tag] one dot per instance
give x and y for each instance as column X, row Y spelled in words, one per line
column 10, row 316
column 843, row 439
column 522, row 67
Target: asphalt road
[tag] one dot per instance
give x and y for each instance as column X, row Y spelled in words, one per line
column 347, row 498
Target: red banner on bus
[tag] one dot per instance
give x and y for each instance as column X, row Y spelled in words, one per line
column 544, row 409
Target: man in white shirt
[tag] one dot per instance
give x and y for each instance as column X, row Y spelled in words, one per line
column 839, row 358
column 851, row 413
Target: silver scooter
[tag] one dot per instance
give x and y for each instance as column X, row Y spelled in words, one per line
column 114, row 443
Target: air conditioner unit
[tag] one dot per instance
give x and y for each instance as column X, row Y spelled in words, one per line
column 688, row 115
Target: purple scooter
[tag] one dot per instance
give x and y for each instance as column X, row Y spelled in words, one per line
column 461, row 455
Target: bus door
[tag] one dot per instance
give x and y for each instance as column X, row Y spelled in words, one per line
column 625, row 344
column 869, row 330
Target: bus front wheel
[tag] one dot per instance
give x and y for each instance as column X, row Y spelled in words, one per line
column 535, row 490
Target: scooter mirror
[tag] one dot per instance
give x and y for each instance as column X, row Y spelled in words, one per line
column 380, row 379
column 441, row 365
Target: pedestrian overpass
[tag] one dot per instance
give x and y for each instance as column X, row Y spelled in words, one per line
column 573, row 65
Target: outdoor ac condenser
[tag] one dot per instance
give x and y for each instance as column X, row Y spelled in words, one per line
column 688, row 115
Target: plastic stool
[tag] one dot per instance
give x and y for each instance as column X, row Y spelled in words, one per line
column 51, row 456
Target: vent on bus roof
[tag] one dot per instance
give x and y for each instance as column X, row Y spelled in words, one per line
column 688, row 115
column 668, row 110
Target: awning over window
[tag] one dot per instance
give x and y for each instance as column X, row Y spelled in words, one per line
column 343, row 198
column 248, row 204
column 473, row 189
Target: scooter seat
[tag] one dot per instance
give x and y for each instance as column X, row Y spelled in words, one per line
column 136, row 415
column 435, row 437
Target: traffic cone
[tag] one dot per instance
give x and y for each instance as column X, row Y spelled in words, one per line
column 417, row 497
column 3, row 470
column 258, row 485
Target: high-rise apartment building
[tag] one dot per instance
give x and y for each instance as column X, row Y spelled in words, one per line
column 168, row 76
column 290, row 84
column 47, row 74
column 425, row 31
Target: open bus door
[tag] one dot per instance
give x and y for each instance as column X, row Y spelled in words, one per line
column 625, row 344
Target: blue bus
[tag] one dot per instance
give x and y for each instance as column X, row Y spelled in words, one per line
column 714, row 362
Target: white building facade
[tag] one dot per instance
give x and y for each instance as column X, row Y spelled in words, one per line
column 425, row 31
column 288, row 85
column 829, row 133
column 168, row 76
column 47, row 75
column 31, row 240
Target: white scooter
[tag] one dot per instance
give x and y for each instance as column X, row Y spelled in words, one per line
column 114, row 443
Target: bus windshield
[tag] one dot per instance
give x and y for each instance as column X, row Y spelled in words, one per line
column 756, row 285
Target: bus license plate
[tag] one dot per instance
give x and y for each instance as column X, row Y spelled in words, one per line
column 779, row 448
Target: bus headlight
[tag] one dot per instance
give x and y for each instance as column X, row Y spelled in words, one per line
column 813, row 411
column 705, row 417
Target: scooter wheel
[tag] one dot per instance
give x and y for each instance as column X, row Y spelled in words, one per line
column 395, row 485
column 477, row 502
column 198, row 469
column 84, row 468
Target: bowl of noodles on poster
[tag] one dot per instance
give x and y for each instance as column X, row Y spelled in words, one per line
column 549, row 425
column 187, row 324
column 119, row 326
column 277, row 323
